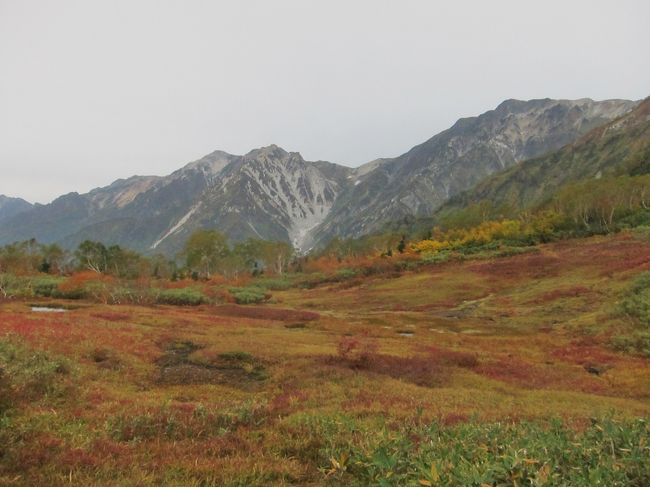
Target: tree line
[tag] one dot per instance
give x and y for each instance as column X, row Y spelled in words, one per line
column 591, row 206
column 206, row 253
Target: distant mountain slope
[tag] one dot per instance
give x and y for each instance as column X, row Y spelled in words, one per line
column 617, row 148
column 274, row 194
column 419, row 181
column 268, row 193
column 12, row 206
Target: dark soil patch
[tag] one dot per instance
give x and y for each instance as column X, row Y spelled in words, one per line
column 105, row 359
column 295, row 326
column 238, row 369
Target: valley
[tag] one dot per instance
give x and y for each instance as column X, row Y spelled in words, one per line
column 385, row 379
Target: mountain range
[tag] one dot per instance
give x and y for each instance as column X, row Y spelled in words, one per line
column 274, row 194
column 617, row 148
column 12, row 206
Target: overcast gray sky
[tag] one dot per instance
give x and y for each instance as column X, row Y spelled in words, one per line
column 91, row 91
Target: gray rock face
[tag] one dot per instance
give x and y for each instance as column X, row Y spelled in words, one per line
column 619, row 147
column 419, row 181
column 273, row 194
column 268, row 193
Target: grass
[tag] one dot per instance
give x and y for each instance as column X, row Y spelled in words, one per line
column 520, row 371
column 605, row 453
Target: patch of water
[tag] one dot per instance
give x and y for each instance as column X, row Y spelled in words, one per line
column 47, row 309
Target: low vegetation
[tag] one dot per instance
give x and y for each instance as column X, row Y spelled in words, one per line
column 488, row 367
column 496, row 349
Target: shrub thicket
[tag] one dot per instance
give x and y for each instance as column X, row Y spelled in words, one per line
column 249, row 295
column 181, row 297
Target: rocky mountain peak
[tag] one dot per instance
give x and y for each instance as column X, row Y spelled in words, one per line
column 269, row 152
column 210, row 165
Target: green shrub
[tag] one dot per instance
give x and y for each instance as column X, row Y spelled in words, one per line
column 14, row 286
column 276, row 283
column 638, row 218
column 30, row 374
column 236, row 356
column 635, row 342
column 79, row 293
column 346, row 273
column 127, row 295
column 636, row 302
column 310, row 281
column 435, row 258
column 642, row 232
column 181, row 297
column 606, row 453
column 249, row 295
column 46, row 286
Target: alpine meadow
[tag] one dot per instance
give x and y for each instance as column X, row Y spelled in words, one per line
column 472, row 312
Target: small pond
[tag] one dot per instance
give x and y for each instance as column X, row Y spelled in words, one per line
column 47, row 309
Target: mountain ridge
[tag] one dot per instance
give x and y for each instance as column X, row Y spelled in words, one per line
column 275, row 194
column 620, row 147
column 10, row 206
column 420, row 180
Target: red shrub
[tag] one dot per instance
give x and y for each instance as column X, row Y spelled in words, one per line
column 583, row 353
column 111, row 316
column 358, row 350
column 445, row 356
column 285, row 402
column 536, row 376
column 120, row 453
column 567, row 292
column 521, row 266
column 77, row 457
column 454, row 418
column 514, row 371
column 38, row 451
column 264, row 313
column 419, row 370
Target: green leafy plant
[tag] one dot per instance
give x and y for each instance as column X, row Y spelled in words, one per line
column 249, row 295
column 181, row 297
